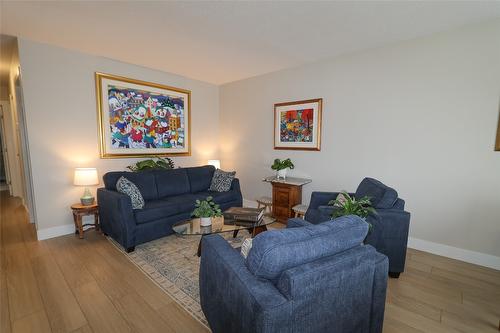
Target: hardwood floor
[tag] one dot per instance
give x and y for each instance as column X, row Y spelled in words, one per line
column 70, row 285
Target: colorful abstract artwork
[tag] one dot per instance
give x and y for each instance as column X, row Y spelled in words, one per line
column 140, row 118
column 298, row 125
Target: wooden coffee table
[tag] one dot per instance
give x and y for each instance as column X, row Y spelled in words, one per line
column 193, row 228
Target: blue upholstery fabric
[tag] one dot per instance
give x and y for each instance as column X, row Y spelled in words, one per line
column 169, row 199
column 172, row 182
column 381, row 196
column 390, row 226
column 154, row 210
column 278, row 250
column 341, row 292
column 145, row 181
column 200, row 177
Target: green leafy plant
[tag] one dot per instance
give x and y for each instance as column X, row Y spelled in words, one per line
column 282, row 164
column 351, row 206
column 206, row 208
column 150, row 164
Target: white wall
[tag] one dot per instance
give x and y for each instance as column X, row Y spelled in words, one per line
column 60, row 103
column 420, row 116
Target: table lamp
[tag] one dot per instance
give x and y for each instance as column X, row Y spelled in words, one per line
column 86, row 177
column 215, row 163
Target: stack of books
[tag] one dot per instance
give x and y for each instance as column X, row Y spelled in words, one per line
column 243, row 215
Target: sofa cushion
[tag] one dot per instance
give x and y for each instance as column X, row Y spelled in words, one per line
column 144, row 180
column 125, row 186
column 185, row 202
column 200, row 177
column 221, row 180
column 278, row 250
column 172, row 182
column 156, row 210
column 219, row 197
column 381, row 195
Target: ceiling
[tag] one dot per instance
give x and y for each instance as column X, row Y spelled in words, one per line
column 220, row 42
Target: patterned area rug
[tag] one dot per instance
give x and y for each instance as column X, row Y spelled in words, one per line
column 171, row 262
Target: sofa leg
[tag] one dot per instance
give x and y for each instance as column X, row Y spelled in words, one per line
column 130, row 249
column 394, row 275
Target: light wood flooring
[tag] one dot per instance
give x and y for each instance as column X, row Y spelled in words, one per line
column 70, row 285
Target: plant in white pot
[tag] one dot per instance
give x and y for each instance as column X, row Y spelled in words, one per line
column 281, row 167
column 205, row 210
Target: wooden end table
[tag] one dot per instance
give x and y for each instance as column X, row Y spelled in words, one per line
column 80, row 210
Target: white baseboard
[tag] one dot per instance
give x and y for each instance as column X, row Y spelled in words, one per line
column 55, row 231
column 469, row 256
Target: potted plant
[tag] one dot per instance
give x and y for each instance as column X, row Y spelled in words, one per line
column 205, row 210
column 344, row 204
column 160, row 163
column 281, row 167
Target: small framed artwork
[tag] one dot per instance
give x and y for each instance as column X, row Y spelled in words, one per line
column 139, row 119
column 297, row 125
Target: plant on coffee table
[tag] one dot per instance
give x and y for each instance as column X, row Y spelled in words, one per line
column 205, row 210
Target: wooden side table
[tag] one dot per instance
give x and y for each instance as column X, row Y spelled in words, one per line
column 286, row 194
column 80, row 210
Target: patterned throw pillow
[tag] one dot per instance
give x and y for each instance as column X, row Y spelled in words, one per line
column 221, row 181
column 246, row 247
column 125, row 186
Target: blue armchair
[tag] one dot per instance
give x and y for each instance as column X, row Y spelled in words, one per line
column 317, row 278
column 391, row 223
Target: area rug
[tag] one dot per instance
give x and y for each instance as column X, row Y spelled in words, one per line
column 171, row 262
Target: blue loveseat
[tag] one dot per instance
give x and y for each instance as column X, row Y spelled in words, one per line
column 169, row 197
column 312, row 278
column 390, row 225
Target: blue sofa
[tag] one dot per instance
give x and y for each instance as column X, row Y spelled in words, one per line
column 391, row 223
column 169, row 197
column 312, row 278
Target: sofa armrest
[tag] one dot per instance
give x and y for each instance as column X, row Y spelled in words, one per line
column 235, row 185
column 297, row 222
column 117, row 216
column 248, row 304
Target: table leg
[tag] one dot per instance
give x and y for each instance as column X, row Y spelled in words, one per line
column 80, row 226
column 96, row 221
column 257, row 230
column 235, row 233
column 76, row 224
column 198, row 253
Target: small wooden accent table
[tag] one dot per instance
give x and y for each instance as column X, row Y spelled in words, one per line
column 286, row 194
column 80, row 210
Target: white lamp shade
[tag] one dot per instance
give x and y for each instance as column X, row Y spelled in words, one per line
column 86, row 177
column 215, row 163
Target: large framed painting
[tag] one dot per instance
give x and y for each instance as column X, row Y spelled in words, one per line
column 297, row 125
column 138, row 118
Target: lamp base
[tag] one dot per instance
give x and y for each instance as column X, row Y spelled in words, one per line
column 87, row 201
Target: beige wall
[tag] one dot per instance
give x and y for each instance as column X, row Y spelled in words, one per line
column 59, row 96
column 420, row 116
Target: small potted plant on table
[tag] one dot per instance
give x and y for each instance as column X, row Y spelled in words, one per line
column 205, row 210
column 281, row 167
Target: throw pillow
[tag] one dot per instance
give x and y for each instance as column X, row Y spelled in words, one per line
column 246, row 246
column 125, row 186
column 221, row 181
column 341, row 199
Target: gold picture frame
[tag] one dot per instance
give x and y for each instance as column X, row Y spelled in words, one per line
column 297, row 125
column 141, row 119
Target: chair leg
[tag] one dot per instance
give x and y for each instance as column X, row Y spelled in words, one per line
column 394, row 275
